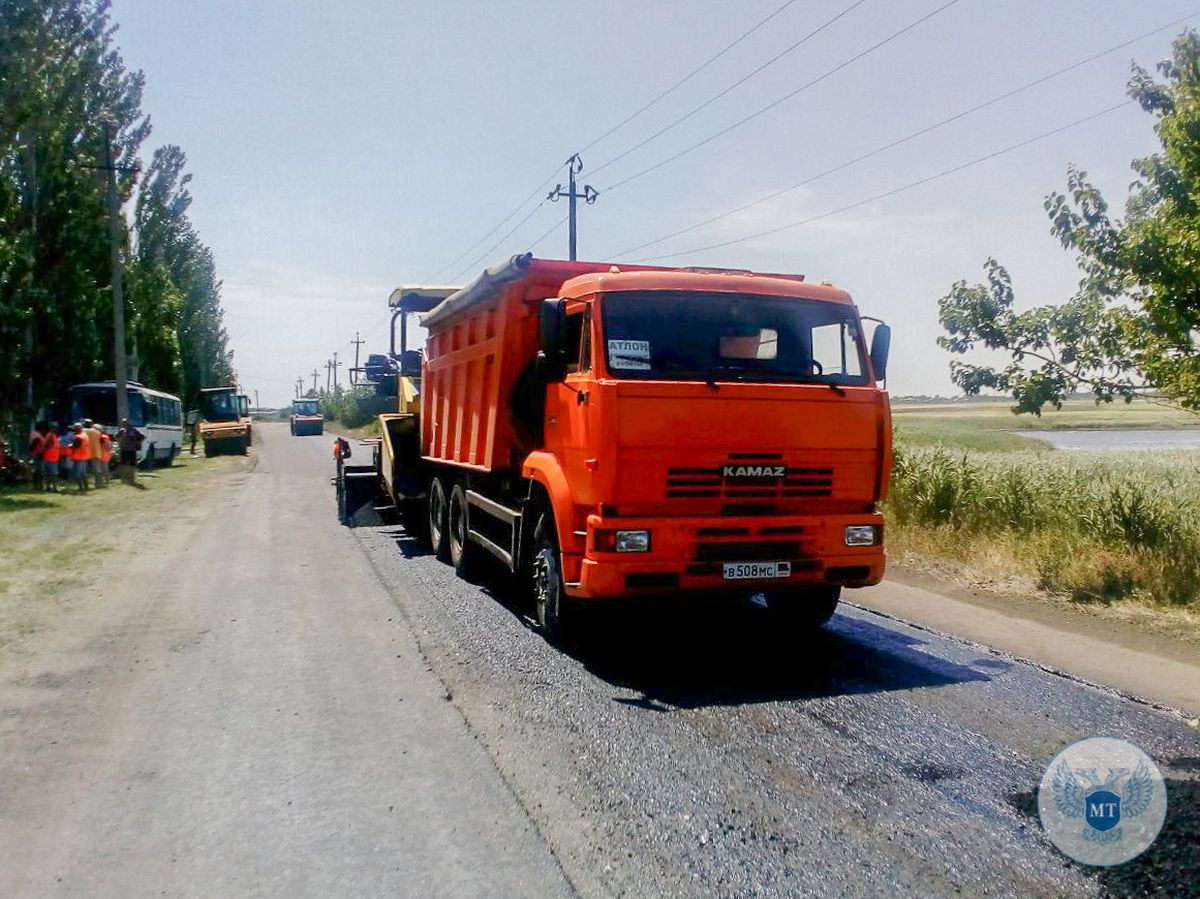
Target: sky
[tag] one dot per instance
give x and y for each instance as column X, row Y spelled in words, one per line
column 341, row 149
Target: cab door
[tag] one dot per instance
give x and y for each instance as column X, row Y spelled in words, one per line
column 569, row 414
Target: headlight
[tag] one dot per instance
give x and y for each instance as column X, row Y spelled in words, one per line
column 861, row 535
column 633, row 541
column 608, row 541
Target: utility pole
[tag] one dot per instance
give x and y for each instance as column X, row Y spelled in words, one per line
column 335, row 368
column 314, row 373
column 357, row 343
column 118, row 294
column 256, row 405
column 299, row 386
column 589, row 195
column 328, row 375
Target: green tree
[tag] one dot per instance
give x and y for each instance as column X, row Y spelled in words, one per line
column 1133, row 327
column 177, row 306
column 61, row 80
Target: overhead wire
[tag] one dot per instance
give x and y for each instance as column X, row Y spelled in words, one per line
column 646, row 106
column 686, row 78
column 729, row 88
column 1029, row 85
column 774, row 103
column 457, row 259
column 506, row 236
column 889, row 193
column 533, row 246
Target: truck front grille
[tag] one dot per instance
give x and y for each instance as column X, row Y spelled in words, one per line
column 707, row 483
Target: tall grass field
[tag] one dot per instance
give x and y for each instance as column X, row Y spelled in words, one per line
column 1095, row 526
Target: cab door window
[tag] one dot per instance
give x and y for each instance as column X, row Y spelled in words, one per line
column 577, row 342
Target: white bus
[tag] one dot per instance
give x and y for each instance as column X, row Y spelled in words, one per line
column 156, row 414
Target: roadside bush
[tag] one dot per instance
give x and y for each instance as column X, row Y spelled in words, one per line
column 343, row 407
column 1097, row 528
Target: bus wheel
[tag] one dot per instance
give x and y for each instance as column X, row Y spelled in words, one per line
column 438, row 520
column 551, row 602
column 803, row 608
column 462, row 553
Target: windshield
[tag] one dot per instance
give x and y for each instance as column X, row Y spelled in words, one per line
column 100, row 405
column 219, row 405
column 731, row 337
column 304, row 407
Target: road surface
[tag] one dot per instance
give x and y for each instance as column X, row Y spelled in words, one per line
column 302, row 709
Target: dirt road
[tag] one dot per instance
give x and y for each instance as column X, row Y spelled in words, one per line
column 245, row 715
column 281, row 706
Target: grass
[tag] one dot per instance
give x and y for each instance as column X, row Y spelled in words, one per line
column 1119, row 531
column 54, row 543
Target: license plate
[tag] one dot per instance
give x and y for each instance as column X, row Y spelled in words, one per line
column 752, row 571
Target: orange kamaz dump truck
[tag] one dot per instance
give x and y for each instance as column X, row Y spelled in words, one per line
column 615, row 432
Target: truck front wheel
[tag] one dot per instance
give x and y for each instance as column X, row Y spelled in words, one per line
column 437, row 520
column 550, row 600
column 806, row 608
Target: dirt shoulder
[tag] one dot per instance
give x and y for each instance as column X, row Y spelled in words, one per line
column 61, row 547
column 1134, row 655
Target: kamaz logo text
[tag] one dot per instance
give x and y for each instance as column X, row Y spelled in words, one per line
column 754, row 471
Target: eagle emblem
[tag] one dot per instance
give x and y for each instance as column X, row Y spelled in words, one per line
column 1102, row 803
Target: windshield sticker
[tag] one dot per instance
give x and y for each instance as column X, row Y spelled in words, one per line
column 632, row 355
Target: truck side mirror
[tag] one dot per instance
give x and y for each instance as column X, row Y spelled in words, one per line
column 881, row 342
column 551, row 327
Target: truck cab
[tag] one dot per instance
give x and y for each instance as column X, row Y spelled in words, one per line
column 714, row 431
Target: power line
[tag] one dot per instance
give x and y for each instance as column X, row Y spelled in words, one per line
column 909, row 137
column 546, row 182
column 507, row 235
column 891, row 193
column 562, row 221
column 686, row 78
column 742, row 121
column 717, row 96
column 457, row 259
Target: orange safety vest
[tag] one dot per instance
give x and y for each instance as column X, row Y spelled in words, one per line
column 82, row 452
column 50, row 448
column 105, row 448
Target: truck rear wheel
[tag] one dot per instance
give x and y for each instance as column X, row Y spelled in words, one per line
column 438, row 520
column 550, row 599
column 804, row 608
column 462, row 553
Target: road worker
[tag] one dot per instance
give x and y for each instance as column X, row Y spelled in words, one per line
column 95, row 464
column 66, row 467
column 37, row 447
column 129, row 441
column 51, row 451
column 106, row 454
column 81, row 455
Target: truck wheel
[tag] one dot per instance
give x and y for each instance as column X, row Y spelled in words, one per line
column 244, row 446
column 803, row 608
column 462, row 553
column 208, row 449
column 438, row 520
column 550, row 600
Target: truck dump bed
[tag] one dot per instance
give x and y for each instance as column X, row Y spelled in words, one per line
column 482, row 340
